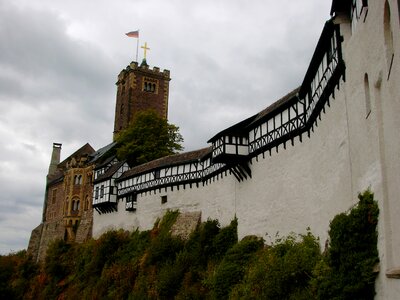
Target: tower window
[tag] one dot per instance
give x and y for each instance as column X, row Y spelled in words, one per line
column 164, row 199
column 150, row 85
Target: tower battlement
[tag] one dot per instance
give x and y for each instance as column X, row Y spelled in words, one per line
column 140, row 88
column 144, row 67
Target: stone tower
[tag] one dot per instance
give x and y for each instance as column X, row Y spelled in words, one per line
column 140, row 88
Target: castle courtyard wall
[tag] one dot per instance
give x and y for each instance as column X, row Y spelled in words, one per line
column 355, row 146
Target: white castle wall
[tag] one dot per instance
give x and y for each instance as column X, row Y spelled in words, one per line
column 374, row 140
column 307, row 184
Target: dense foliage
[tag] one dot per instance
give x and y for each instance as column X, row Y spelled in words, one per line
column 148, row 137
column 347, row 270
column 211, row 264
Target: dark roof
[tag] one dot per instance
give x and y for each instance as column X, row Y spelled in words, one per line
column 239, row 129
column 340, row 6
column 96, row 156
column 110, row 172
column 275, row 106
column 84, row 150
column 55, row 178
column 167, row 161
column 324, row 43
column 105, row 162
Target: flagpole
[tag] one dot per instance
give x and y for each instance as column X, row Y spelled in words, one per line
column 137, row 48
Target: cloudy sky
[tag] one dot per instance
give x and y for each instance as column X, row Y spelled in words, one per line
column 59, row 61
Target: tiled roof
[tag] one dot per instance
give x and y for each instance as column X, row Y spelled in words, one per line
column 102, row 151
column 167, row 161
column 105, row 162
column 275, row 105
column 84, row 150
column 241, row 128
column 235, row 130
column 110, row 172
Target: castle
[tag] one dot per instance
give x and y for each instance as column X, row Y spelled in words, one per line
column 292, row 166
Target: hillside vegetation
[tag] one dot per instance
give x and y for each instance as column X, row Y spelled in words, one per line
column 211, row 264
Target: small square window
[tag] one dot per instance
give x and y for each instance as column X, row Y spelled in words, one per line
column 164, row 199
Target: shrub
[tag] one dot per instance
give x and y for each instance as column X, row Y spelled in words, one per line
column 281, row 271
column 224, row 240
column 233, row 266
column 347, row 271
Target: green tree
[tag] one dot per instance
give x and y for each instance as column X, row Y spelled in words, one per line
column 348, row 270
column 149, row 137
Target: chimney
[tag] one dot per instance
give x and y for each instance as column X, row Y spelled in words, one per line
column 55, row 158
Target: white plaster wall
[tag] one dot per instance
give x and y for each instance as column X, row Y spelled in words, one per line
column 374, row 141
column 303, row 186
column 307, row 184
column 215, row 200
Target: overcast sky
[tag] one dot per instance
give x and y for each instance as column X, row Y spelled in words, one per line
column 59, row 61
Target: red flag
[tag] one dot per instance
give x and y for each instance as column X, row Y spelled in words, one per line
column 134, row 34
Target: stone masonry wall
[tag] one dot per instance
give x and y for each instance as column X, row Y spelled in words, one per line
column 84, row 231
column 34, row 242
column 51, row 232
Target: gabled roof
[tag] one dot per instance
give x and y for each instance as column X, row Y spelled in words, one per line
column 84, row 150
column 241, row 128
column 105, row 162
column 238, row 129
column 110, row 172
column 99, row 154
column 166, row 161
column 274, row 107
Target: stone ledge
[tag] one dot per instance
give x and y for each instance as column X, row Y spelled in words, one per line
column 393, row 273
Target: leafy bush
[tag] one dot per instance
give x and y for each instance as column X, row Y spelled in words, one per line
column 347, row 271
column 281, row 271
column 233, row 266
column 212, row 264
column 225, row 239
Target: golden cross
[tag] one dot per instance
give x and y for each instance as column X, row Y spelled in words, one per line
column 145, row 49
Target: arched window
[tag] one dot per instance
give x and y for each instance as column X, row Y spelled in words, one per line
column 78, row 204
column 388, row 37
column 78, row 179
column 367, row 96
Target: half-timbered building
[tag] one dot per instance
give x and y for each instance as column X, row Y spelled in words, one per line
column 303, row 159
column 292, row 166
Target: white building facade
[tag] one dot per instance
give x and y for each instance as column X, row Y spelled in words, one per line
column 302, row 160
